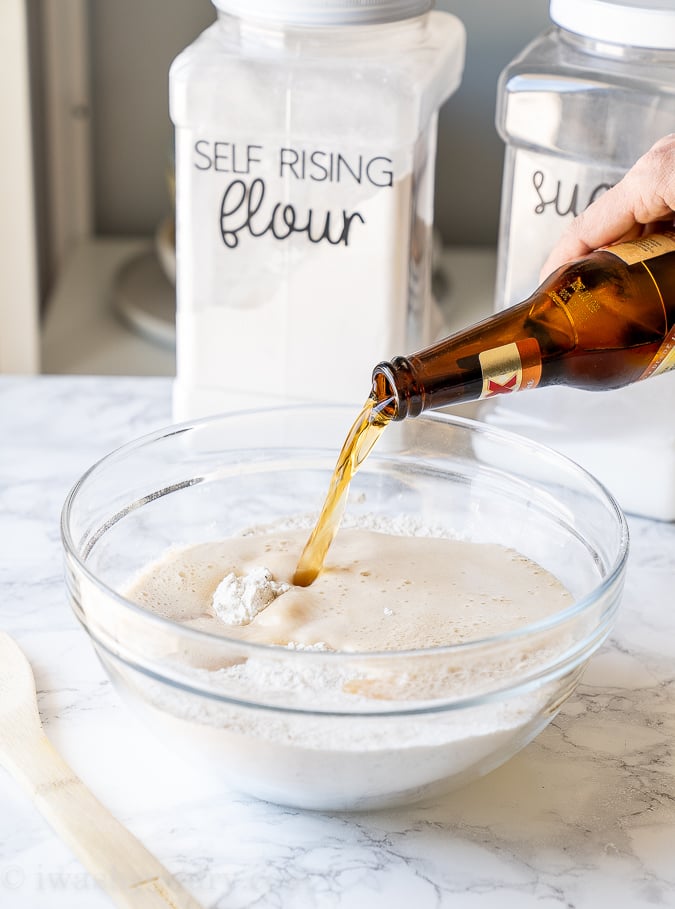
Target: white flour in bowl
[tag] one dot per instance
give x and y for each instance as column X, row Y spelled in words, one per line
column 289, row 722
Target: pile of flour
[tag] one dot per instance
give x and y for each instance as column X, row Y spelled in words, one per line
column 239, row 598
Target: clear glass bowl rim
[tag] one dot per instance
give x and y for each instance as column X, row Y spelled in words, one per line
column 463, row 423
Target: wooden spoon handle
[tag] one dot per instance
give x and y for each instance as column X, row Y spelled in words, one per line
column 116, row 859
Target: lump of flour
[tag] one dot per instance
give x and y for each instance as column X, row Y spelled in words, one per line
column 238, row 599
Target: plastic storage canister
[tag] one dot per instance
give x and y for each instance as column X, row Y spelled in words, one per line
column 305, row 150
column 576, row 109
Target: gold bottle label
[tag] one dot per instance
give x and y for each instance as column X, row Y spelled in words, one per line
column 664, row 359
column 644, row 248
column 510, row 368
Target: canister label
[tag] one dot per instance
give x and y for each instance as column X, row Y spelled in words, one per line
column 277, row 235
column 644, row 248
column 510, row 368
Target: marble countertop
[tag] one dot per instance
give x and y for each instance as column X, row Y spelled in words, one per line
column 583, row 818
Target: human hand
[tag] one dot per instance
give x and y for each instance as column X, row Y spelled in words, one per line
column 640, row 203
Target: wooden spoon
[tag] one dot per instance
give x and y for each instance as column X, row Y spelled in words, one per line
column 117, row 860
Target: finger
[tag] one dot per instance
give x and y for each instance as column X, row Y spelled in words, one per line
column 645, row 195
column 617, row 216
column 598, row 226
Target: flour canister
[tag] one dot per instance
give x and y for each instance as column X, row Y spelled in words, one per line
column 305, row 148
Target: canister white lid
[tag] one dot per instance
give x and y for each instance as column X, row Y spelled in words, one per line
column 325, row 12
column 635, row 23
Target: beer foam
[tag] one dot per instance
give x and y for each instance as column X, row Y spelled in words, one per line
column 378, row 591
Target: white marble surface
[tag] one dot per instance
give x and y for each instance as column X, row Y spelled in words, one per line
column 583, row 818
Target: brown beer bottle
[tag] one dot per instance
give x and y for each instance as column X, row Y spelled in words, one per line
column 600, row 322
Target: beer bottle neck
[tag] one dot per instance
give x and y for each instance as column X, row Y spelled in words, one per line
column 397, row 390
column 603, row 321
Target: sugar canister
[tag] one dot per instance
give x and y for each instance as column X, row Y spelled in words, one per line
column 576, row 109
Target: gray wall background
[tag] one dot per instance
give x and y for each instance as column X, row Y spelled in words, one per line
column 134, row 41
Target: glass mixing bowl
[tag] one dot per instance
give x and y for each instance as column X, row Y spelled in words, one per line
column 331, row 730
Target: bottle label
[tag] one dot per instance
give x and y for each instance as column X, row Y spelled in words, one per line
column 664, row 359
column 640, row 251
column 644, row 248
column 511, row 367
